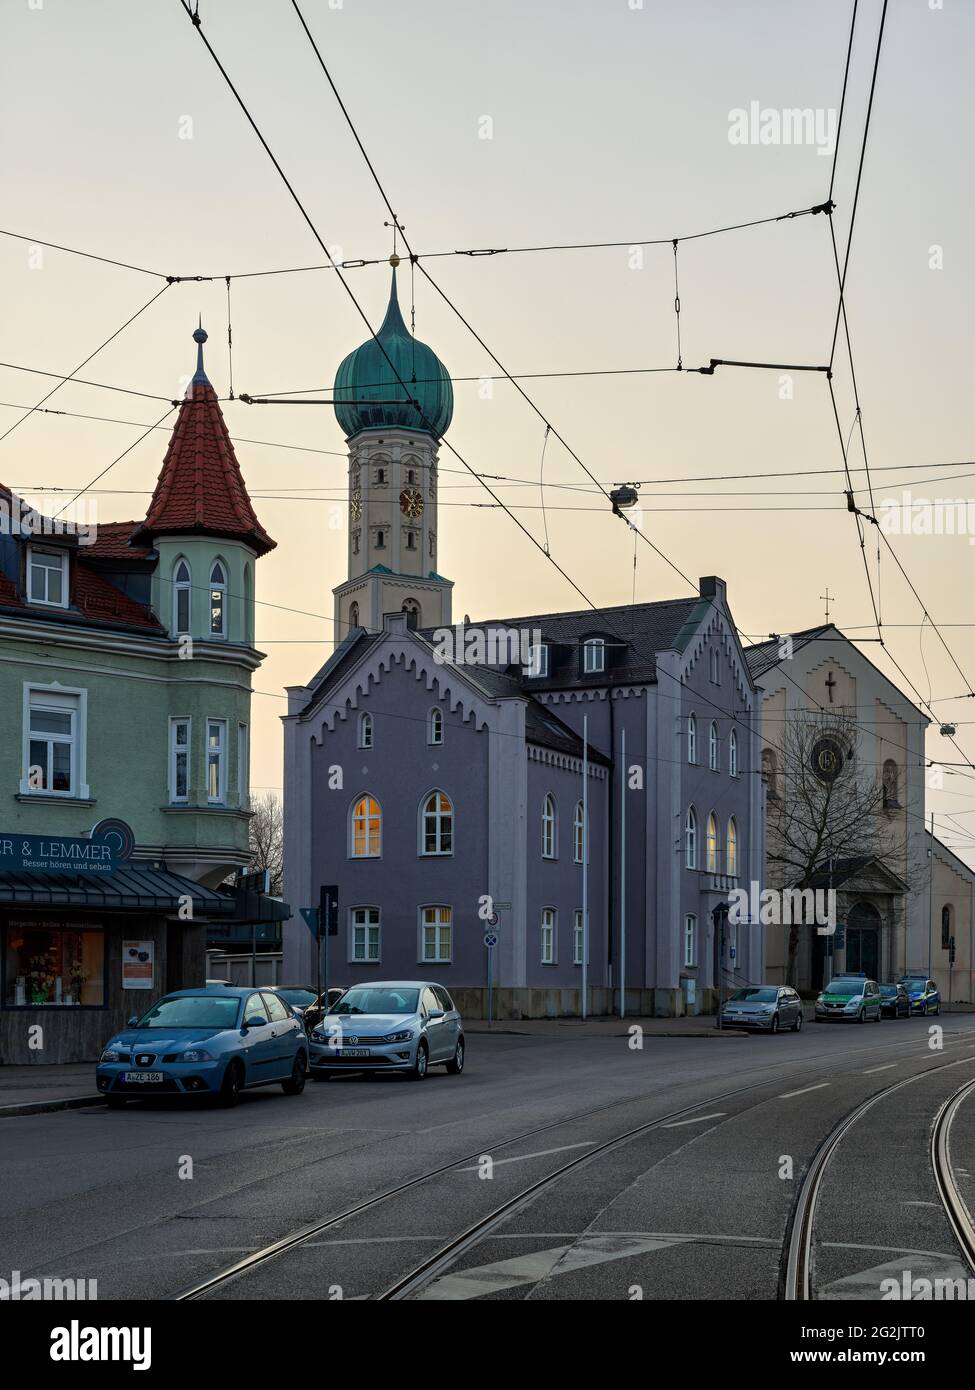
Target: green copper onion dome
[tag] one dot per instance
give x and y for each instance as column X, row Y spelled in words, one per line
column 368, row 395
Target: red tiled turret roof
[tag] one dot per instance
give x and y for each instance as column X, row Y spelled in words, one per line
column 200, row 488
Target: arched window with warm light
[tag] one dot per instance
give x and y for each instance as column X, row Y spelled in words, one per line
column 218, row 600
column 549, row 827
column 578, row 832
column 690, row 839
column 365, row 828
column 711, row 845
column 713, row 754
column 733, row 753
column 364, row 739
column 435, row 726
column 691, row 739
column 436, row 824
column 182, row 598
column 731, row 848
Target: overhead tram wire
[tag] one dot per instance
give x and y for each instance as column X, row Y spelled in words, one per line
column 198, row 25
column 111, row 338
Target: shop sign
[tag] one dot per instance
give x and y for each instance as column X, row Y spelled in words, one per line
column 137, row 964
column 57, row 854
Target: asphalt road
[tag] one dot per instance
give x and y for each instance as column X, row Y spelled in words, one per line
column 153, row 1199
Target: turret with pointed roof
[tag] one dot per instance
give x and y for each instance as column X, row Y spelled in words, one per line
column 200, row 489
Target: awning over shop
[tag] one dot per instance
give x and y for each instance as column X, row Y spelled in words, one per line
column 134, row 887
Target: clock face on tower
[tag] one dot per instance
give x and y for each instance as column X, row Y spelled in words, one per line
column 410, row 502
column 355, row 504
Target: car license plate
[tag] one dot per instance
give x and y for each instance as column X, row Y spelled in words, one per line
column 143, row 1077
column 353, row 1052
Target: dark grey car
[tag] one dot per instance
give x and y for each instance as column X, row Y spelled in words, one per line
column 767, row 1007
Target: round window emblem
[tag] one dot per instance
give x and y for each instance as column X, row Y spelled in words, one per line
column 827, row 759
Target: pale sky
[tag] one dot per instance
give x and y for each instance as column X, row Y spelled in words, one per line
column 610, row 123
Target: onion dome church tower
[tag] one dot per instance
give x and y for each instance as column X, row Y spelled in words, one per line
column 392, row 431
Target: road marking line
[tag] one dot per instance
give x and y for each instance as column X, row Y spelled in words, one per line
column 805, row 1091
column 542, row 1153
column 870, row 1070
column 698, row 1120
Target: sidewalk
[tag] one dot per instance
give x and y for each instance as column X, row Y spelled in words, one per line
column 27, row 1090
column 697, row 1026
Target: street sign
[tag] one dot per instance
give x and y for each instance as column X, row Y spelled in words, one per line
column 257, row 882
column 490, row 938
column 493, row 920
column 310, row 915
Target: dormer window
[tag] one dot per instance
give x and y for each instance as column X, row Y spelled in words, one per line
column 537, row 660
column 182, row 589
column 593, row 656
column 218, row 601
column 47, row 577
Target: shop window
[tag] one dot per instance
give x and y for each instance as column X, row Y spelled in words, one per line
column 48, row 966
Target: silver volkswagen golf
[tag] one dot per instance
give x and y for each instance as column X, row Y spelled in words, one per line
column 391, row 1025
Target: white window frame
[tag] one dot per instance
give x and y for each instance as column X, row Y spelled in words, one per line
column 578, row 937
column 439, row 924
column 49, row 553
column 180, row 587
column 365, row 731
column 690, row 940
column 731, row 847
column 538, row 661
column 435, row 727
column 174, row 751
column 243, row 764
column 58, row 697
column 221, row 750
column 692, row 739
column 549, row 935
column 369, row 854
column 714, row 747
column 368, row 926
column 221, row 589
column 733, row 753
column 592, row 648
column 438, row 817
column 690, row 838
column 550, row 827
column 578, row 833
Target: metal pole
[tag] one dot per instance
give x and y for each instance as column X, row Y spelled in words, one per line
column 623, row 873
column 585, row 862
column 931, row 897
column 319, row 967
column 253, row 954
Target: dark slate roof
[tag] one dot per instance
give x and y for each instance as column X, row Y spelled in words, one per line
column 762, row 656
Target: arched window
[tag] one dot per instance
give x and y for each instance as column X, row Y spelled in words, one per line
column 412, row 610
column 711, row 847
column 733, row 753
column 714, row 660
column 182, row 593
column 731, row 848
column 713, row 763
column 218, row 600
column 891, row 797
column 353, row 616
column 365, row 828
column 578, row 833
column 770, row 772
column 365, row 731
column 691, row 739
column 435, row 726
column 946, row 927
column 690, row 839
column 437, row 825
column 549, row 827
column 593, row 655
column 380, row 539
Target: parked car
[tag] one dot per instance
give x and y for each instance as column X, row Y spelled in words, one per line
column 215, row 1042
column 299, row 997
column 895, row 1002
column 319, row 1003
column 390, row 1026
column 852, row 998
column 923, row 993
column 769, row 1007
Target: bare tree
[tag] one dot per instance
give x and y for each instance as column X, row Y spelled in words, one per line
column 826, row 812
column 267, row 839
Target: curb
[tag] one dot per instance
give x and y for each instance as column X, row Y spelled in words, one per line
column 38, row 1107
column 712, row 1035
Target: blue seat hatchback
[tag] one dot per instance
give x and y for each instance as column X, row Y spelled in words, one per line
column 215, row 1041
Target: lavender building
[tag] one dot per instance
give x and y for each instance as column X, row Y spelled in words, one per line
column 519, row 768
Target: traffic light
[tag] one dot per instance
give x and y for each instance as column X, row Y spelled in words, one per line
column 328, row 909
